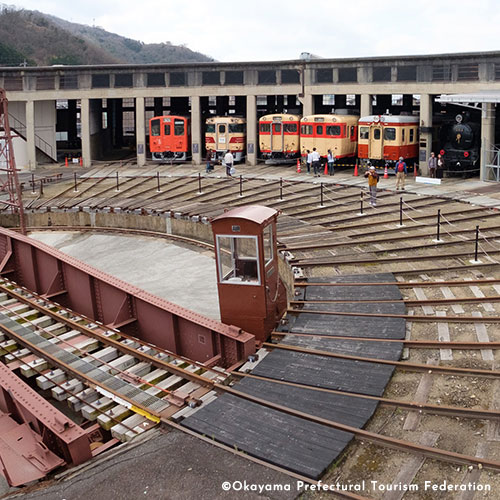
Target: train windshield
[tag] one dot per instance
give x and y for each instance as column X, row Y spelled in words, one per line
column 155, row 128
column 333, row 130
column 179, row 127
column 265, row 127
column 364, row 133
column 210, row 128
column 389, row 134
column 237, row 128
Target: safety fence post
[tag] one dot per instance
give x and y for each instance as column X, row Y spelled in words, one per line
column 158, row 181
column 241, row 186
column 74, row 177
column 281, row 188
column 361, row 203
column 401, row 211
column 117, row 182
column 41, row 187
column 477, row 243
column 33, row 184
column 321, row 195
column 199, row 182
column 438, row 226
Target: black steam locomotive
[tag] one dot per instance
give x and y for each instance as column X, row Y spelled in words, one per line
column 460, row 145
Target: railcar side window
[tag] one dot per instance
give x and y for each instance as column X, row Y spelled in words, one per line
column 238, row 259
column 236, row 128
column 290, row 128
column 412, row 134
column 364, row 133
column 268, row 244
column 166, row 129
column 306, row 130
column 210, row 128
column 179, row 127
column 389, row 134
column 265, row 127
column 403, row 136
column 376, row 134
column 333, row 130
column 155, row 128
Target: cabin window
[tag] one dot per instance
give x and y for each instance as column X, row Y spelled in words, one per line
column 166, row 129
column 268, row 244
column 277, row 128
column 319, row 129
column 412, row 135
column 222, row 129
column 210, row 128
column 290, row 128
column 236, row 128
column 376, row 134
column 333, row 130
column 353, row 130
column 179, row 127
column 364, row 133
column 265, row 128
column 389, row 134
column 155, row 128
column 238, row 258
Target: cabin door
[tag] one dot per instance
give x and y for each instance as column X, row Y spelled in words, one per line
column 375, row 143
column 221, row 137
column 277, row 138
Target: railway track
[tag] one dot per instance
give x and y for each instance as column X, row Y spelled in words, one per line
column 302, row 234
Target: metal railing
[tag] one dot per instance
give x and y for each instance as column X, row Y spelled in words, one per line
column 19, row 127
column 493, row 168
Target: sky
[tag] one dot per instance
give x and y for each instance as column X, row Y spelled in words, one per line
column 266, row 30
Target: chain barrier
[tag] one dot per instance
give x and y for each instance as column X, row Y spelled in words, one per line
column 487, row 255
column 448, row 222
column 423, row 224
column 412, row 208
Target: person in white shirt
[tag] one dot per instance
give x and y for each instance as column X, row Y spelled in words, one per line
column 229, row 160
column 316, row 162
column 308, row 161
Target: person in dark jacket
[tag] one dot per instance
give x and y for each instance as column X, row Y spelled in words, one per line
column 432, row 165
column 208, row 159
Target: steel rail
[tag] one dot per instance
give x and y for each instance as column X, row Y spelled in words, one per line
column 397, row 364
column 419, row 344
column 425, row 319
column 354, row 241
column 405, row 284
column 385, row 260
column 449, row 411
column 443, row 455
column 442, row 269
column 408, row 302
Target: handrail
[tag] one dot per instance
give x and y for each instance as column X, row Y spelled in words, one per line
column 40, row 143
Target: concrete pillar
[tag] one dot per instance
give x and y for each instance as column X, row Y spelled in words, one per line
column 251, row 130
column 425, row 132
column 487, row 137
column 140, row 130
column 307, row 104
column 85, row 132
column 366, row 105
column 196, row 129
column 30, row 134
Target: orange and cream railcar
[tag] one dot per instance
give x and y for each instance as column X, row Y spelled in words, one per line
column 336, row 132
column 279, row 136
column 383, row 139
column 169, row 138
column 226, row 133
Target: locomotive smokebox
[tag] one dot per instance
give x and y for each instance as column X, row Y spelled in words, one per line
column 251, row 293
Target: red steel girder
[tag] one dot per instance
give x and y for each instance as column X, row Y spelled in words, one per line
column 58, row 439
column 101, row 297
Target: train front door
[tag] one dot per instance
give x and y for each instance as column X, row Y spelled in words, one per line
column 277, row 138
column 221, row 137
column 375, row 142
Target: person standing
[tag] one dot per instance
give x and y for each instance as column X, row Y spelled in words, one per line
column 440, row 167
column 432, row 165
column 401, row 172
column 229, row 160
column 208, row 159
column 372, row 185
column 308, row 161
column 331, row 160
column 316, row 162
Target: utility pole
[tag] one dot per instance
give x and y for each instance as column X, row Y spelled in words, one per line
column 8, row 164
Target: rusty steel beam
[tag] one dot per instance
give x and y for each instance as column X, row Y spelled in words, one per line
column 101, row 297
column 66, row 441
